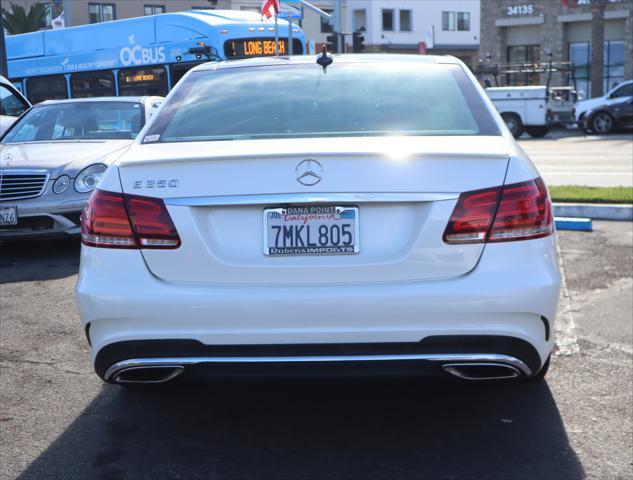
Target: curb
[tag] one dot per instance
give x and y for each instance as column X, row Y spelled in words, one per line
column 578, row 224
column 606, row 211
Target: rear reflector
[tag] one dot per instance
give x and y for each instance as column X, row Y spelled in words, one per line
column 519, row 211
column 113, row 220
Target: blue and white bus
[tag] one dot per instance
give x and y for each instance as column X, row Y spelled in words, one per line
column 137, row 56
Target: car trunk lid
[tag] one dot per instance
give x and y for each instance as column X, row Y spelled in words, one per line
column 405, row 189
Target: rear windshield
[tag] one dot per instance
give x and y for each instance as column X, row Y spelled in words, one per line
column 78, row 121
column 349, row 99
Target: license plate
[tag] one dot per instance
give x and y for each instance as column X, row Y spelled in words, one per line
column 8, row 215
column 311, row 230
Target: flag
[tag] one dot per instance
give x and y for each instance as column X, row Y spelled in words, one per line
column 270, row 8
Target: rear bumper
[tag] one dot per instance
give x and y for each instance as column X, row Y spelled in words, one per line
column 505, row 297
column 427, row 357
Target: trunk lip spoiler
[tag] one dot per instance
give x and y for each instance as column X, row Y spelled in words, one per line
column 309, row 198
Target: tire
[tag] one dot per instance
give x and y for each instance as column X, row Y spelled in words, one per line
column 542, row 372
column 602, row 123
column 583, row 125
column 537, row 131
column 514, row 124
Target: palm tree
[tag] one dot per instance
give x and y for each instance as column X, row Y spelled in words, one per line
column 19, row 21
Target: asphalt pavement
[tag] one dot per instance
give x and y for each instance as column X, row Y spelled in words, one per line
column 59, row 421
column 570, row 157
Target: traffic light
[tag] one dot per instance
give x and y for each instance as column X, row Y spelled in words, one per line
column 358, row 41
column 332, row 42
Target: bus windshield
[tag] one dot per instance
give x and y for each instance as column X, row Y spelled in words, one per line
column 351, row 99
column 78, row 121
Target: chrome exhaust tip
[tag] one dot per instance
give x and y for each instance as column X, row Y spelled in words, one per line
column 148, row 374
column 482, row 371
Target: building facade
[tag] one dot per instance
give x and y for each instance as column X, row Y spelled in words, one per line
column 417, row 26
column 529, row 31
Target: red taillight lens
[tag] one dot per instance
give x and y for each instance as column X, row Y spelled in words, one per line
column 524, row 212
column 472, row 216
column 104, row 222
column 113, row 220
column 151, row 222
column 513, row 212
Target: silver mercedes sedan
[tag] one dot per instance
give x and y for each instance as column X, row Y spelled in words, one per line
column 55, row 154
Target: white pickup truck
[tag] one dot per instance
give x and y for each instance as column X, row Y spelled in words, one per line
column 533, row 109
column 522, row 108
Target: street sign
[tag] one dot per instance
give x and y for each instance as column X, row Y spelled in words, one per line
column 291, row 10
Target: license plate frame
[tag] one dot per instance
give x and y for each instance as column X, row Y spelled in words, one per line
column 312, row 250
column 10, row 210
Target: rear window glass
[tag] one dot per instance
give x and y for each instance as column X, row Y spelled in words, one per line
column 350, row 99
column 78, row 121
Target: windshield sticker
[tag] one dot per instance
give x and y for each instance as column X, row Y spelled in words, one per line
column 151, row 138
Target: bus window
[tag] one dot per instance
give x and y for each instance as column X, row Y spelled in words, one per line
column 178, row 71
column 18, row 85
column 92, row 84
column 143, row 81
column 51, row 87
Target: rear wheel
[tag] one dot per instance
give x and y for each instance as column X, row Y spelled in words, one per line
column 602, row 122
column 514, row 124
column 537, row 131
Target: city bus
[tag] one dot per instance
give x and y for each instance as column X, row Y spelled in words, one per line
column 138, row 56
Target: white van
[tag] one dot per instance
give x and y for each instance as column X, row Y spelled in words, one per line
column 12, row 104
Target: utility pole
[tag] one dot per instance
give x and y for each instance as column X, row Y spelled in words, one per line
column 4, row 70
column 68, row 13
column 290, row 45
column 597, row 47
column 338, row 24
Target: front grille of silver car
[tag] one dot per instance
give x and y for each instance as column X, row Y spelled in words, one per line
column 19, row 184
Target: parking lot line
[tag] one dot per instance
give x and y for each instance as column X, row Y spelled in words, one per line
column 566, row 339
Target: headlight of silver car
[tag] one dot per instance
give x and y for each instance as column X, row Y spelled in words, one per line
column 88, row 178
column 61, row 184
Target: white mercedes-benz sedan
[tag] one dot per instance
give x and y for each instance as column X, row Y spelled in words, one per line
column 363, row 216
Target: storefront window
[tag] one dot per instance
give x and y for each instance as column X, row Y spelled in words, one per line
column 613, row 64
column 613, row 72
column 523, row 54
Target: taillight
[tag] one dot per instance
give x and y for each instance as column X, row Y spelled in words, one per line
column 113, row 220
column 519, row 211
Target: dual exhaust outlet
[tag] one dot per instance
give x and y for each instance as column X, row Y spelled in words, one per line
column 165, row 372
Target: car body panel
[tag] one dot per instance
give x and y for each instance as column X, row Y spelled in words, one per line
column 486, row 301
column 401, row 240
column 51, row 215
column 621, row 112
column 218, row 288
column 584, row 106
column 7, row 120
column 60, row 157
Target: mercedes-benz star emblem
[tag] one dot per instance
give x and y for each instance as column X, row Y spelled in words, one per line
column 7, row 159
column 309, row 172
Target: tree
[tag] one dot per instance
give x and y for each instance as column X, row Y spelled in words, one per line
column 597, row 46
column 19, row 21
